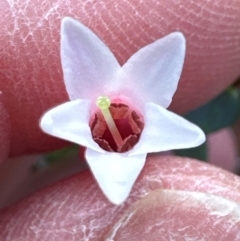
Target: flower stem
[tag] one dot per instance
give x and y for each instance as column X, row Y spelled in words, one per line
column 103, row 102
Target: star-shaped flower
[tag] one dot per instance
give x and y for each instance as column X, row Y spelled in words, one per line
column 130, row 118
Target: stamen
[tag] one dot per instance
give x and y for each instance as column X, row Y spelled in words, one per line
column 103, row 103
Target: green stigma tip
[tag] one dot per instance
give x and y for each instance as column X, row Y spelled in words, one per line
column 103, row 102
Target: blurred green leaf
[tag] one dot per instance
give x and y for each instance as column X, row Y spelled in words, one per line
column 221, row 112
column 199, row 152
column 61, row 154
column 54, row 157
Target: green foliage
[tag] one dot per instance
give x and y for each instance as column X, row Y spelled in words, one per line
column 199, row 152
column 55, row 157
column 219, row 113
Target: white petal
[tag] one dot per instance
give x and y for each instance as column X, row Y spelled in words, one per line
column 70, row 121
column 89, row 66
column 165, row 131
column 115, row 172
column 156, row 68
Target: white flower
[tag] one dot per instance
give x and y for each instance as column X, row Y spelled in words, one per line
column 146, row 83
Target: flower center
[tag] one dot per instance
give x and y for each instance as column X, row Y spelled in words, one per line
column 115, row 127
